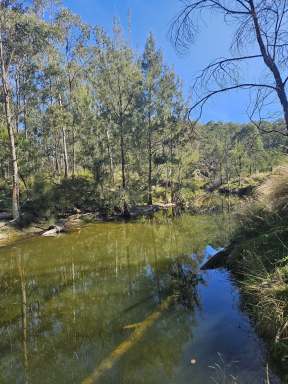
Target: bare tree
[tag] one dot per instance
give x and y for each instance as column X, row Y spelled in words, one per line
column 261, row 33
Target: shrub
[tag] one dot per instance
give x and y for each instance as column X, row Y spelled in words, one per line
column 50, row 199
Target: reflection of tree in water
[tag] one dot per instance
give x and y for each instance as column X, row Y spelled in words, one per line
column 79, row 319
column 159, row 346
column 184, row 281
column 162, row 348
column 80, row 295
column 24, row 315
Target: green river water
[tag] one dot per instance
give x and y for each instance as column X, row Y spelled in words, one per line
column 125, row 303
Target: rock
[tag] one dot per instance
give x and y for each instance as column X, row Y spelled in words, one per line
column 53, row 230
column 76, row 211
column 219, row 260
column 72, row 222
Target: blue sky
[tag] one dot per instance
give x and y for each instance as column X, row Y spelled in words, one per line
column 155, row 16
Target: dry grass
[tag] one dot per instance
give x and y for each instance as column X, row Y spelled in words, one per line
column 274, row 191
column 270, row 303
column 261, row 257
column 268, row 212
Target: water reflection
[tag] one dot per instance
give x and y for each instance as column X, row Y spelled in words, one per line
column 120, row 299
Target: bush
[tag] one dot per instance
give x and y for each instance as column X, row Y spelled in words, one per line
column 50, row 199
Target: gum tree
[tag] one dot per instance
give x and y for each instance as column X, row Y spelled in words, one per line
column 22, row 36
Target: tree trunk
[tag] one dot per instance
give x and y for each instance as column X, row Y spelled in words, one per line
column 65, row 152
column 123, row 162
column 25, row 118
column 240, row 170
column 170, row 173
column 111, row 161
column 73, row 151
column 150, row 201
column 9, row 124
column 270, row 63
column 73, row 125
column 66, row 164
column 123, row 169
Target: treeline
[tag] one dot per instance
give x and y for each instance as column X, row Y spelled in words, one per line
column 75, row 100
column 230, row 152
column 87, row 122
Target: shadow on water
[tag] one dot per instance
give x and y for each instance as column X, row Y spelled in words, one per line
column 125, row 303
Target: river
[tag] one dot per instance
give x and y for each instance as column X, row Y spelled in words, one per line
column 125, row 303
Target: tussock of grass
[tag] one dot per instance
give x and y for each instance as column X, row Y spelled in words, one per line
column 270, row 290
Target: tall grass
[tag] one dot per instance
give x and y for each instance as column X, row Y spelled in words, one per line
column 274, row 192
column 261, row 259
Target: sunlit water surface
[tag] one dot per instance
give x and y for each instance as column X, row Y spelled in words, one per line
column 125, row 303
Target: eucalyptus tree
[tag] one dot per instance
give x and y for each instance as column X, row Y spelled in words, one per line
column 171, row 109
column 117, row 79
column 152, row 68
column 73, row 43
column 260, row 36
column 22, row 36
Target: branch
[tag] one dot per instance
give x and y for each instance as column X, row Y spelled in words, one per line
column 218, row 65
column 183, row 29
column 225, row 9
column 220, row 62
column 204, row 99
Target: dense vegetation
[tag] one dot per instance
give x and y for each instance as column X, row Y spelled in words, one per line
column 87, row 123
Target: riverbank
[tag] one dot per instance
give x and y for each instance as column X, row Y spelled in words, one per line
column 11, row 232
column 260, row 266
column 258, row 257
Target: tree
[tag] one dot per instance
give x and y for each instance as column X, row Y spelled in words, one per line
column 21, row 35
column 74, row 38
column 117, row 79
column 260, row 34
column 172, row 136
column 152, row 68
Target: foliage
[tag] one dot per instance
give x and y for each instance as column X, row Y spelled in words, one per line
column 59, row 198
column 84, row 103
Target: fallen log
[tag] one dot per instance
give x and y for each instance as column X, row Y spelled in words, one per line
column 5, row 216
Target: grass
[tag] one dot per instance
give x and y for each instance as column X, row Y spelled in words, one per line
column 260, row 259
